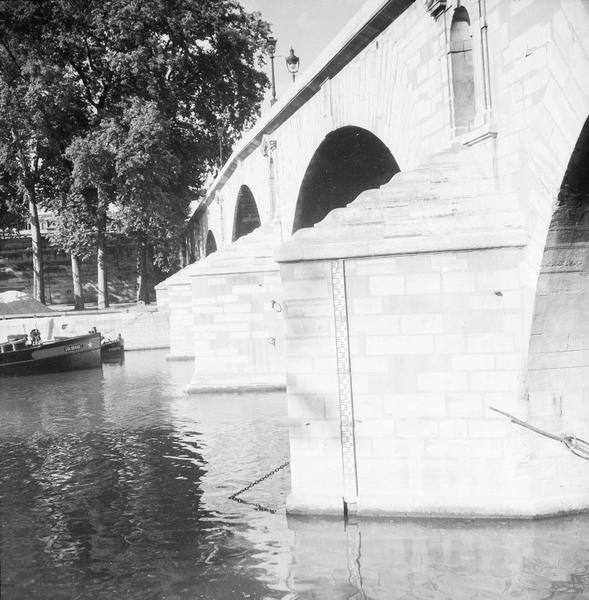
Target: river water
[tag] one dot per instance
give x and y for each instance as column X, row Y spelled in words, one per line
column 115, row 485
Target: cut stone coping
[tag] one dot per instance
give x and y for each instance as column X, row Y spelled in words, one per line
column 54, row 312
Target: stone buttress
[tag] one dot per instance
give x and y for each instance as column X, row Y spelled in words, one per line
column 408, row 315
column 236, row 321
column 174, row 299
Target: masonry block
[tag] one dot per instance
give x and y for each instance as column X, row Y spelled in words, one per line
column 458, row 282
column 422, row 283
column 386, row 285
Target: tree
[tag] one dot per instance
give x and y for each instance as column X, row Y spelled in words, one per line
column 154, row 94
column 91, row 194
column 153, row 186
column 22, row 145
column 38, row 110
column 75, row 232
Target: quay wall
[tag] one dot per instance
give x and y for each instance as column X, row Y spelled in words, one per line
column 141, row 330
column 16, row 271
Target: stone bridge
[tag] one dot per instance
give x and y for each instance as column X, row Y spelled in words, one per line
column 403, row 242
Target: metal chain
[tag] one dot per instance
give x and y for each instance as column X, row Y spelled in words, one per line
column 251, row 485
column 257, row 506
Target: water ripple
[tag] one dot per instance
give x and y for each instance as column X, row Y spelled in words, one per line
column 116, row 485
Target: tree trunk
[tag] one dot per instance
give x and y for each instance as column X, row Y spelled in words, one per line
column 37, row 243
column 102, row 286
column 78, row 292
column 142, row 279
column 182, row 253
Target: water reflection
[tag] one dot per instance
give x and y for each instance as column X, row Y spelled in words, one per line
column 119, row 512
column 115, row 484
column 102, row 477
column 431, row 560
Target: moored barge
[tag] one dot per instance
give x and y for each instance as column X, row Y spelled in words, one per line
column 112, row 349
column 17, row 357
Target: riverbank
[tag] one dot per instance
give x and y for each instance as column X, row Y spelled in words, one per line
column 142, row 327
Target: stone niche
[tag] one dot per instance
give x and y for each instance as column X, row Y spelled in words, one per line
column 235, row 316
column 407, row 316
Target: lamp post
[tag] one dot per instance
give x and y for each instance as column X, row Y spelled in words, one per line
column 271, row 47
column 292, row 63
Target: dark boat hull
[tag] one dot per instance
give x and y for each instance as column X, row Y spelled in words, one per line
column 72, row 354
column 113, row 352
column 112, row 348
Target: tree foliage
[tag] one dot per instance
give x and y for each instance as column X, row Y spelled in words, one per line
column 38, row 111
column 142, row 86
column 149, row 172
column 13, row 210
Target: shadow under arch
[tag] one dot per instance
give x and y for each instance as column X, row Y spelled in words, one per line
column 247, row 217
column 348, row 161
column 573, row 196
column 559, row 344
column 210, row 244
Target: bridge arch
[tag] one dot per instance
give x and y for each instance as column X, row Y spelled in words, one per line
column 247, row 217
column 462, row 65
column 348, row 161
column 559, row 347
column 211, row 243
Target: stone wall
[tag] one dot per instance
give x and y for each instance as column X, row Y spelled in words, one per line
column 408, row 318
column 237, row 332
column 225, row 313
column 176, row 300
column 141, row 329
column 16, row 272
column 405, row 323
column 435, row 340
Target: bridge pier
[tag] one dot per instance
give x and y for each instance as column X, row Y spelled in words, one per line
column 235, row 304
column 174, row 298
column 408, row 314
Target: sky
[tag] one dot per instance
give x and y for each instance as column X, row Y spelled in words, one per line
column 306, row 25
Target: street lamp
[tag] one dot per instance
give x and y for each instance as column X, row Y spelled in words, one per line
column 271, row 47
column 292, row 63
